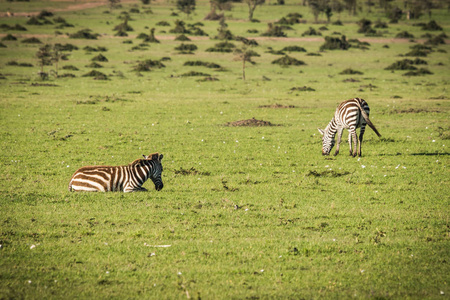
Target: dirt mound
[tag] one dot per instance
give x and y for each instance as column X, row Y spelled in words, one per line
column 250, row 123
column 277, row 106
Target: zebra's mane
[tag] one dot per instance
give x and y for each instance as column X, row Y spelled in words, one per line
column 153, row 156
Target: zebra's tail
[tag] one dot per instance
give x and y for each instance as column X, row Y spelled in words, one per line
column 366, row 117
column 70, row 186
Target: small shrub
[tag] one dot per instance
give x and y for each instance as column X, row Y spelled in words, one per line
column 404, row 35
column 311, row 31
column 44, row 14
column 437, row 40
column 365, row 26
column 194, row 73
column 406, row 64
column 420, row 72
column 67, row 75
column 96, row 74
column 302, row 89
column 70, row 67
column 351, row 72
column 66, row 47
column 99, row 57
column 293, row 49
column 186, row 48
column 380, row 24
column 182, row 38
column 34, row 21
column 431, row 26
column 9, row 37
column 31, row 40
column 203, row 64
column 288, row 61
column 163, row 23
column 94, row 65
column 417, row 53
column 84, row 34
column 222, row 47
column 147, row 65
column 275, row 31
column 332, row 43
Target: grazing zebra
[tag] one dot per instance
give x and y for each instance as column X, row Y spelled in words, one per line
column 350, row 114
column 129, row 178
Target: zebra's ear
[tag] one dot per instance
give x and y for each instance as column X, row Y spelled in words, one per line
column 145, row 156
column 161, row 156
column 320, row 130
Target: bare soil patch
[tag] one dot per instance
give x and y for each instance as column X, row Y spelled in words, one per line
column 250, row 123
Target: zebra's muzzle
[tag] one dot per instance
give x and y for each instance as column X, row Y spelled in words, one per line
column 159, row 187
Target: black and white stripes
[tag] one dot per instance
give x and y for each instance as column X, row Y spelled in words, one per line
column 350, row 115
column 128, row 178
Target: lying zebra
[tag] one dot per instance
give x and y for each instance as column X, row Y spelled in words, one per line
column 129, row 178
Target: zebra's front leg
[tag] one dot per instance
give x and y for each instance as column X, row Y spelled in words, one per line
column 131, row 189
column 338, row 142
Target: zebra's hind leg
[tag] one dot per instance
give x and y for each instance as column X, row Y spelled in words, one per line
column 361, row 135
column 353, row 136
column 350, row 142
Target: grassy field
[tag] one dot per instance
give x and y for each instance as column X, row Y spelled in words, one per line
column 246, row 212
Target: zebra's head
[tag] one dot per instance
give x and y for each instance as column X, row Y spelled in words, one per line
column 156, row 170
column 327, row 141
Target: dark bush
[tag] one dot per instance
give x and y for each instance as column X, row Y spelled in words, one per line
column 431, row 26
column 302, row 89
column 9, row 37
column 417, row 53
column 94, row 65
column 96, row 74
column 182, row 38
column 194, row 73
column 34, row 21
column 311, row 31
column 84, row 34
column 351, row 72
column 163, row 23
column 222, row 47
column 275, row 31
column 420, row 72
column 288, row 61
column 31, row 40
column 99, row 57
column 437, row 40
column 404, row 35
column 147, row 65
column 365, row 26
column 332, row 43
column 293, row 49
column 186, row 48
column 70, row 67
column 66, row 47
column 202, row 63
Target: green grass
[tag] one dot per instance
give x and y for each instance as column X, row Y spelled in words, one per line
column 248, row 212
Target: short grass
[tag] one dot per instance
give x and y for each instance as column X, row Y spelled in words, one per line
column 246, row 212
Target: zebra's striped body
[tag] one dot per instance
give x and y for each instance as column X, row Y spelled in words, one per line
column 129, row 178
column 350, row 115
